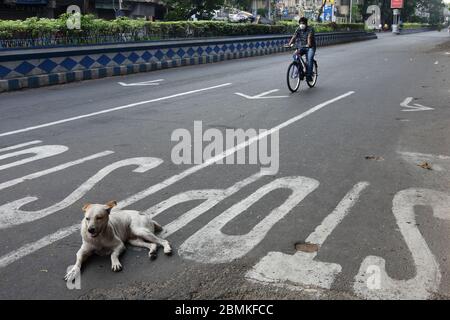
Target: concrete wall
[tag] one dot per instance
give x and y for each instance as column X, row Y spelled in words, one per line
column 40, row 67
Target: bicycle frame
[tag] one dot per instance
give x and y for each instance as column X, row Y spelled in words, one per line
column 299, row 58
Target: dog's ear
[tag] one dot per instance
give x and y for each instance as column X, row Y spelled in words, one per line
column 110, row 204
column 85, row 207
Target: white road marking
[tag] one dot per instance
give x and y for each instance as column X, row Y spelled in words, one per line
column 145, row 193
column 42, row 173
column 34, row 246
column 438, row 162
column 143, row 83
column 437, row 62
column 58, row 235
column 211, row 196
column 300, row 270
column 327, row 226
column 21, row 145
column 211, row 245
column 428, row 275
column 11, row 215
column 415, row 107
column 264, row 95
column 40, row 152
column 93, row 114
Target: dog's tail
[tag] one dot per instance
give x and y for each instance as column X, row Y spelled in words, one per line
column 158, row 227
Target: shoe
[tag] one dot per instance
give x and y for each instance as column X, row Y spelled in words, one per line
column 309, row 79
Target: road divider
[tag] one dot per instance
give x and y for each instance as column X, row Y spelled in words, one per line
column 33, row 68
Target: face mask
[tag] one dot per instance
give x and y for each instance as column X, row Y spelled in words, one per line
column 303, row 26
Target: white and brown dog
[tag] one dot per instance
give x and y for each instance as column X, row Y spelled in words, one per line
column 105, row 230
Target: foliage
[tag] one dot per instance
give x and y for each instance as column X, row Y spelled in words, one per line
column 245, row 5
column 184, row 9
column 261, row 11
column 94, row 30
column 328, row 27
column 414, row 25
column 357, row 13
column 408, row 13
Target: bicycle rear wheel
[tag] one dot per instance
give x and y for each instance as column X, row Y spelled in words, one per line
column 315, row 75
column 293, row 77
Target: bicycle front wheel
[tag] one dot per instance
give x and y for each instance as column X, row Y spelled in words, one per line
column 293, row 77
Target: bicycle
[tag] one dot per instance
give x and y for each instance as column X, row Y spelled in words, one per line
column 297, row 72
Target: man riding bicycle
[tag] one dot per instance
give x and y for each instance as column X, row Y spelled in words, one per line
column 306, row 43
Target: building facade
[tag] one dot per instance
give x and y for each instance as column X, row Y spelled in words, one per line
column 310, row 8
column 107, row 9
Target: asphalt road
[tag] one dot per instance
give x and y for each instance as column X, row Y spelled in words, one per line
column 349, row 183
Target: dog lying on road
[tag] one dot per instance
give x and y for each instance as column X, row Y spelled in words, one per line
column 105, row 230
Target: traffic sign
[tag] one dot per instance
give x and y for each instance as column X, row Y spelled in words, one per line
column 396, row 4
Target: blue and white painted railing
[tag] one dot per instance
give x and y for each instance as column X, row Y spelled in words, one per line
column 30, row 68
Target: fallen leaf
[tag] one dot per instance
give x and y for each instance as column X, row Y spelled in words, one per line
column 307, row 247
column 376, row 158
column 425, row 165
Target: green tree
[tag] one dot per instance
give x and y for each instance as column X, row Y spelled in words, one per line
column 184, row 9
column 408, row 13
column 434, row 8
column 245, row 5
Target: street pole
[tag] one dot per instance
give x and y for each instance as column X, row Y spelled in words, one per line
column 351, row 8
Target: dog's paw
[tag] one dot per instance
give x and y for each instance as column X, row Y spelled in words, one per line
column 168, row 250
column 152, row 255
column 116, row 267
column 72, row 274
column 153, row 248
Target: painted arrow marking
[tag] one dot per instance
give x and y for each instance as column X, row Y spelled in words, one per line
column 415, row 107
column 264, row 95
column 144, row 83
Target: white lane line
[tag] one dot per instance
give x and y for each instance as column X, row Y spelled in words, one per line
column 143, row 83
column 93, row 114
column 34, row 246
column 21, row 145
column 145, row 193
column 60, row 167
column 327, row 226
column 62, row 233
